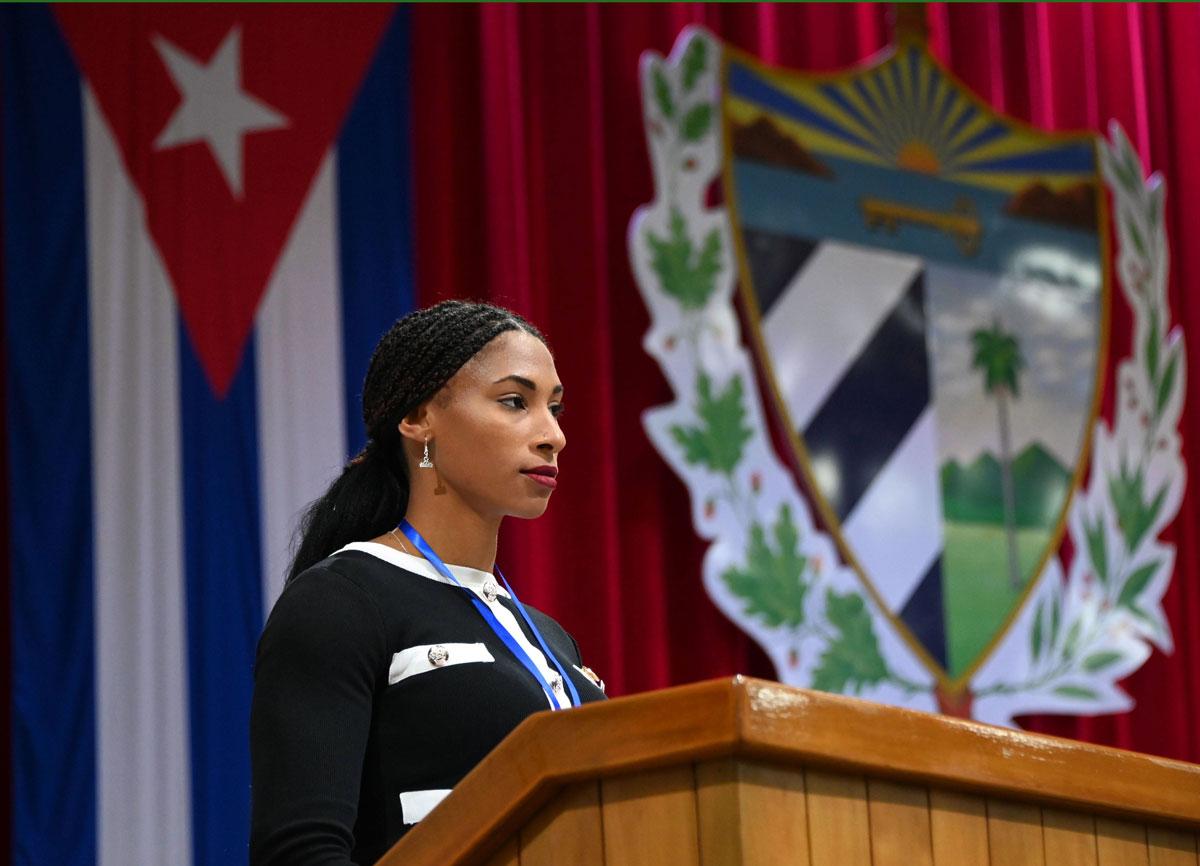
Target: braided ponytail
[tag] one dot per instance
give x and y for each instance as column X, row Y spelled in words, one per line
column 416, row 357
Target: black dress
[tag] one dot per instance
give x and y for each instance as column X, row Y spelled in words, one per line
column 378, row 686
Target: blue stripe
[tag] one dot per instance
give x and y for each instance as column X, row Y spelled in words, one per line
column 49, row 455
column 924, row 613
column 745, row 84
column 224, row 598
column 969, row 114
column 985, row 136
column 1076, row 157
column 876, row 403
column 375, row 213
column 834, row 93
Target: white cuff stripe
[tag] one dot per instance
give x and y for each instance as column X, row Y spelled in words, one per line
column 415, row 805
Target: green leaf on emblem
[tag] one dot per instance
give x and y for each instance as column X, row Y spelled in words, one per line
column 1135, row 233
column 684, row 274
column 1135, row 516
column 1035, row 634
column 1136, row 584
column 1083, row 694
column 1101, row 660
column 772, row 582
column 1166, row 385
column 1097, row 551
column 1152, row 346
column 1072, row 640
column 718, row 443
column 695, row 59
column 696, row 122
column 662, row 93
column 852, row 660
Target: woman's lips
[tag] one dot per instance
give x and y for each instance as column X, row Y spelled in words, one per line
column 542, row 476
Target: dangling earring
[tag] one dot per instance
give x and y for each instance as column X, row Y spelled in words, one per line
column 426, row 463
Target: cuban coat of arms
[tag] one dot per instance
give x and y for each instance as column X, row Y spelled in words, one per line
column 888, row 348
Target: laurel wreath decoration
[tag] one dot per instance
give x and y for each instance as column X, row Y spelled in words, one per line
column 769, row 569
column 1078, row 637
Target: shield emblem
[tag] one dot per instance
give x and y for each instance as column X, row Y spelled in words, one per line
column 926, row 287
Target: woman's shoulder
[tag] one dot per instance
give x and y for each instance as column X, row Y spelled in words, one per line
column 357, row 565
column 356, row 584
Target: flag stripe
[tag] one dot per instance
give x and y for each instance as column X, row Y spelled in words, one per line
column 224, row 597
column 827, row 317
column 875, row 404
column 298, row 350
column 49, row 456
column 895, row 528
column 924, row 613
column 375, row 207
column 774, row 261
column 143, row 791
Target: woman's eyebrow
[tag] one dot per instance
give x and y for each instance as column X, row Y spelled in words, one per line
column 527, row 383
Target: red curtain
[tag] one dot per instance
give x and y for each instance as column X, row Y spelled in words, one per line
column 530, row 159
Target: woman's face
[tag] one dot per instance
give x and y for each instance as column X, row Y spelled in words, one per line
column 494, row 430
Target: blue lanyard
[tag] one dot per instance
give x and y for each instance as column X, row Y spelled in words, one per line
column 501, row 632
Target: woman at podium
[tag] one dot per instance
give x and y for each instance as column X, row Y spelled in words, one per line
column 397, row 655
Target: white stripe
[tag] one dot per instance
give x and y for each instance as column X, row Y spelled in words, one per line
column 301, row 395
column 415, row 805
column 825, row 316
column 895, row 529
column 418, row 659
column 142, row 764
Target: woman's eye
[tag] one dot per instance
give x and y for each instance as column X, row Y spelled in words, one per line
column 557, row 410
column 513, row 402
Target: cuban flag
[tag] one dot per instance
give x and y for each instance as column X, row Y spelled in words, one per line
column 206, row 228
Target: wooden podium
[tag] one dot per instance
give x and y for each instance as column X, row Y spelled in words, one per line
column 746, row 771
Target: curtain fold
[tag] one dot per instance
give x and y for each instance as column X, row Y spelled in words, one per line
column 530, row 160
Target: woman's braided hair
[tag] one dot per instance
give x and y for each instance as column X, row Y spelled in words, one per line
column 412, row 362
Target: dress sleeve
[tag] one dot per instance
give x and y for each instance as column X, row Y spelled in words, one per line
column 310, row 720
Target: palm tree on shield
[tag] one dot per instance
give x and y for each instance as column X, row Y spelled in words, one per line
column 998, row 356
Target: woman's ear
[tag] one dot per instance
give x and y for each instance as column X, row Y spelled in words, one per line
column 417, row 425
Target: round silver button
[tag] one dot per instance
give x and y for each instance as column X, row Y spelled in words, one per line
column 438, row 655
column 491, row 590
column 556, row 682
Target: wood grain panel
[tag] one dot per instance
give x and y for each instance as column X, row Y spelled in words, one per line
column 754, row 720
column 1014, row 834
column 1121, row 843
column 650, row 818
column 751, row 814
column 900, row 830
column 958, row 827
column 508, row 855
column 568, row 829
column 839, row 830
column 1171, row 847
column 1069, row 838
column 842, row 734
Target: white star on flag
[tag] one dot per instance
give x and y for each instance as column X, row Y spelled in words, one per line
column 215, row 109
